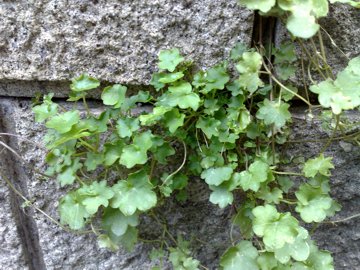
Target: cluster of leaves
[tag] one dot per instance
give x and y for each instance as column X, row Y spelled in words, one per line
column 225, row 127
column 300, row 15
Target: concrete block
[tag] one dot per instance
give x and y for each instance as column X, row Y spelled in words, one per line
column 114, row 41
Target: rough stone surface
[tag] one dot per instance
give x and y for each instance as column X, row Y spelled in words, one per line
column 342, row 239
column 115, row 41
column 11, row 250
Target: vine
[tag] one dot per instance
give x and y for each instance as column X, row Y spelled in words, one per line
column 227, row 129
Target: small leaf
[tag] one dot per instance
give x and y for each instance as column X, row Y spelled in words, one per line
column 240, row 257
column 134, row 194
column 320, row 165
column 72, row 212
column 262, row 5
column 95, row 195
column 221, row 196
column 169, row 59
column 84, row 83
column 114, row 95
column 116, row 222
column 273, row 112
column 215, row 176
column 256, row 174
column 63, row 122
column 174, row 120
column 126, row 126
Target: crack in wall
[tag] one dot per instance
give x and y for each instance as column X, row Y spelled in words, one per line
column 25, row 224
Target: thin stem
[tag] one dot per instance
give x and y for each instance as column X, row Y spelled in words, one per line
column 178, row 169
column 86, row 106
column 343, row 220
column 288, row 202
column 287, row 89
column 87, row 145
column 12, row 187
column 311, row 58
column 288, row 173
column 333, row 135
column 23, row 138
column 323, row 54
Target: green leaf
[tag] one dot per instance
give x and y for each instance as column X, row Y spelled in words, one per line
column 116, row 222
column 144, row 140
column 314, row 204
column 104, row 241
column 130, row 102
column 215, row 176
column 133, row 194
column 169, row 59
column 84, row 83
column 275, row 228
column 98, row 124
column 209, row 126
column 215, row 78
column 299, row 249
column 221, row 196
column 251, row 62
column 153, row 117
column 173, row 120
column 249, row 67
column 126, row 126
column 273, row 112
column 162, row 151
column 93, row 160
column 63, row 122
column 341, row 94
column 267, row 261
column 302, row 25
column 285, row 183
column 240, row 257
column 269, row 195
column 184, row 101
column 180, row 256
column 238, row 50
column 254, row 176
column 114, row 95
column 262, row 5
column 319, row 259
column 45, row 110
column 170, row 77
column 67, row 176
column 72, row 211
column 127, row 240
column 244, row 218
column 95, row 195
column 317, row 165
column 155, row 77
column 133, row 155
column 112, row 152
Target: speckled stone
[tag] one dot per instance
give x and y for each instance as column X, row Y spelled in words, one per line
column 116, row 41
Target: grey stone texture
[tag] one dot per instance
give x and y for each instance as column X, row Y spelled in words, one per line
column 116, row 41
column 11, row 250
column 343, row 238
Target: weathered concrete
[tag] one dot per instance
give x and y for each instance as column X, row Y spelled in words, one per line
column 343, row 238
column 115, row 41
column 11, row 250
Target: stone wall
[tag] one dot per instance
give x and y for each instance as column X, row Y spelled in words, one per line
column 44, row 43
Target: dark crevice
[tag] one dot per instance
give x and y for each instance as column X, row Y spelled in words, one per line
column 25, row 224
